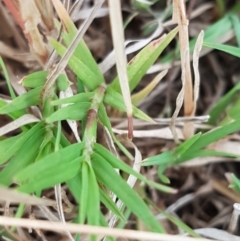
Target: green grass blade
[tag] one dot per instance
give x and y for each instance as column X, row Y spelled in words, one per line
column 11, row 145
column 75, row 111
column 236, row 27
column 34, row 80
column 90, row 78
column 27, row 154
column 214, row 135
column 110, row 205
column 82, row 97
column 163, row 158
column 93, row 199
column 115, row 99
column 84, row 193
column 203, row 153
column 116, row 163
column 124, row 192
column 235, row 51
column 186, row 145
column 25, row 100
column 138, row 67
column 53, row 169
column 222, row 104
column 5, row 73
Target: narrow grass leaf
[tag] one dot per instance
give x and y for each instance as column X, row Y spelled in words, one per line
column 84, row 194
column 34, row 80
column 62, row 82
column 110, row 205
column 11, row 145
column 163, row 158
column 21, row 121
column 116, row 163
column 82, row 51
column 203, row 153
column 186, row 145
column 83, row 71
column 141, row 95
column 144, row 60
column 222, row 104
column 53, row 169
column 180, row 224
column 236, row 27
column 27, row 154
column 28, row 99
column 235, row 51
column 75, row 111
column 93, row 199
column 59, row 68
column 115, row 99
column 82, row 97
column 14, row 115
column 53, row 173
column 124, row 192
column 215, row 134
column 5, row 72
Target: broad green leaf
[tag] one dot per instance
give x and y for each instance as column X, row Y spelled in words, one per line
column 55, row 168
column 11, row 145
column 163, row 158
column 75, row 111
column 27, row 154
column 28, row 99
column 34, row 80
column 115, row 99
column 82, row 97
column 222, row 104
column 235, row 51
column 139, row 65
column 116, row 163
column 90, row 78
column 106, row 174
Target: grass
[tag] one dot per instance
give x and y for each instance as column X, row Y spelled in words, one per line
column 40, row 156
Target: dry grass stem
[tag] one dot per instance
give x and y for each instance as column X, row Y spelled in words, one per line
column 179, row 16
column 53, row 74
column 121, row 59
column 87, row 229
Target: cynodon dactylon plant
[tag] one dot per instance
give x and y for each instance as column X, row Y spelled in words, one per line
column 40, row 156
